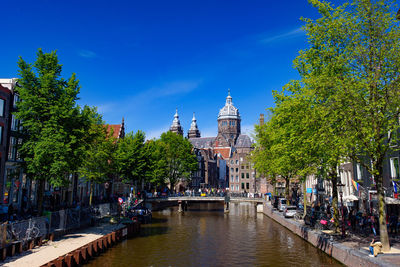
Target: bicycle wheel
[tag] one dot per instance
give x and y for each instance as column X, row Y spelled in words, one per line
column 32, row 233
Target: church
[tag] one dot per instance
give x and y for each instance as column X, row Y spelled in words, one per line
column 223, row 159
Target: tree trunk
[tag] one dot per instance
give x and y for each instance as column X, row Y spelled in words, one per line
column 40, row 193
column 91, row 193
column 305, row 197
column 384, row 237
column 334, row 179
column 287, row 190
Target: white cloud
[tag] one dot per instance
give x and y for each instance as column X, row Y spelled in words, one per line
column 131, row 103
column 209, row 131
column 87, row 54
column 248, row 129
column 283, row 36
column 156, row 133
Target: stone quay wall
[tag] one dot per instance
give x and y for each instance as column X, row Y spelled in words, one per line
column 346, row 255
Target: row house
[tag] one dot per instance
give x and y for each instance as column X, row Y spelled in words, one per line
column 15, row 187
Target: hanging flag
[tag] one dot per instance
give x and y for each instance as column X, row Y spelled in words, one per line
column 394, row 186
column 355, row 184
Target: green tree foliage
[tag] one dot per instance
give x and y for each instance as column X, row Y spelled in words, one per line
column 284, row 147
column 157, row 171
column 353, row 68
column 53, row 124
column 132, row 158
column 177, row 158
column 99, row 163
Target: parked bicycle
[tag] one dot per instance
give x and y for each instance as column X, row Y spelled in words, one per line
column 32, row 232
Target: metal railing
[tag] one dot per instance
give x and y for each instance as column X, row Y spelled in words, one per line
column 57, row 221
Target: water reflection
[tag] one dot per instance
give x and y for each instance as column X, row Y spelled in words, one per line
column 205, row 236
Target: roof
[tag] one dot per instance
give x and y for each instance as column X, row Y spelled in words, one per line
column 116, row 129
column 229, row 111
column 202, row 142
column 243, row 141
column 225, row 152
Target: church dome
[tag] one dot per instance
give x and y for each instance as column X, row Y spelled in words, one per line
column 229, row 111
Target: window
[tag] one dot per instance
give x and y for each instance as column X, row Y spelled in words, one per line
column 242, row 175
column 247, row 167
column 242, row 185
column 247, row 186
column 231, row 161
column 232, row 170
column 1, row 135
column 237, row 187
column 237, row 162
column 237, row 169
column 233, row 123
column 237, row 178
column 232, row 187
column 247, row 175
column 2, row 104
column 394, row 167
column 16, row 99
column 12, row 148
column 18, row 156
column 14, row 123
column 358, row 171
column 242, row 167
column 232, row 178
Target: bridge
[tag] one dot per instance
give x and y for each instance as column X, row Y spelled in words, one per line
column 183, row 200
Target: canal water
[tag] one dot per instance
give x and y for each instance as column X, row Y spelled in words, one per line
column 205, row 236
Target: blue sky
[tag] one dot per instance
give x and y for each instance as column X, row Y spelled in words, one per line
column 142, row 59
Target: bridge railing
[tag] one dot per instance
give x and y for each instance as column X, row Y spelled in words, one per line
column 210, row 195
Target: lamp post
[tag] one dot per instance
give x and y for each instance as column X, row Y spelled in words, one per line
column 340, row 185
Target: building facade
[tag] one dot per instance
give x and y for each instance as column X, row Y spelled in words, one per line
column 223, row 159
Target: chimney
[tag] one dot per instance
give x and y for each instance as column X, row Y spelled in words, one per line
column 261, row 119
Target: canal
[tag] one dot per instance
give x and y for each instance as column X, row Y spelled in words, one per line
column 205, row 236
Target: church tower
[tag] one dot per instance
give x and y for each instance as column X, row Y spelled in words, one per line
column 193, row 131
column 228, row 124
column 176, row 124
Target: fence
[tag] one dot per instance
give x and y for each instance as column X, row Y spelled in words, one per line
column 58, row 221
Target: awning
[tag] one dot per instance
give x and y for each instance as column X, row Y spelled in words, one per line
column 350, row 198
column 390, row 200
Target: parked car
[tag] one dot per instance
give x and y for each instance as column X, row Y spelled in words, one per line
column 290, row 211
column 282, row 204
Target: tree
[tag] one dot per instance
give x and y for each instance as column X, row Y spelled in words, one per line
column 132, row 158
column 283, row 145
column 157, row 170
column 99, row 161
column 178, row 157
column 53, row 124
column 354, row 64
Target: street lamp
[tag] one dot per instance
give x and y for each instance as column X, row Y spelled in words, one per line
column 340, row 186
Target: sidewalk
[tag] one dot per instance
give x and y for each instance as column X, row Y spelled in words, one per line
column 55, row 249
column 353, row 251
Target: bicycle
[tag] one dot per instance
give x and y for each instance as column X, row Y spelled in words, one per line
column 32, row 231
column 298, row 216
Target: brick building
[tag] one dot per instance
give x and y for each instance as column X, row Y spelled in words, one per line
column 223, row 160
